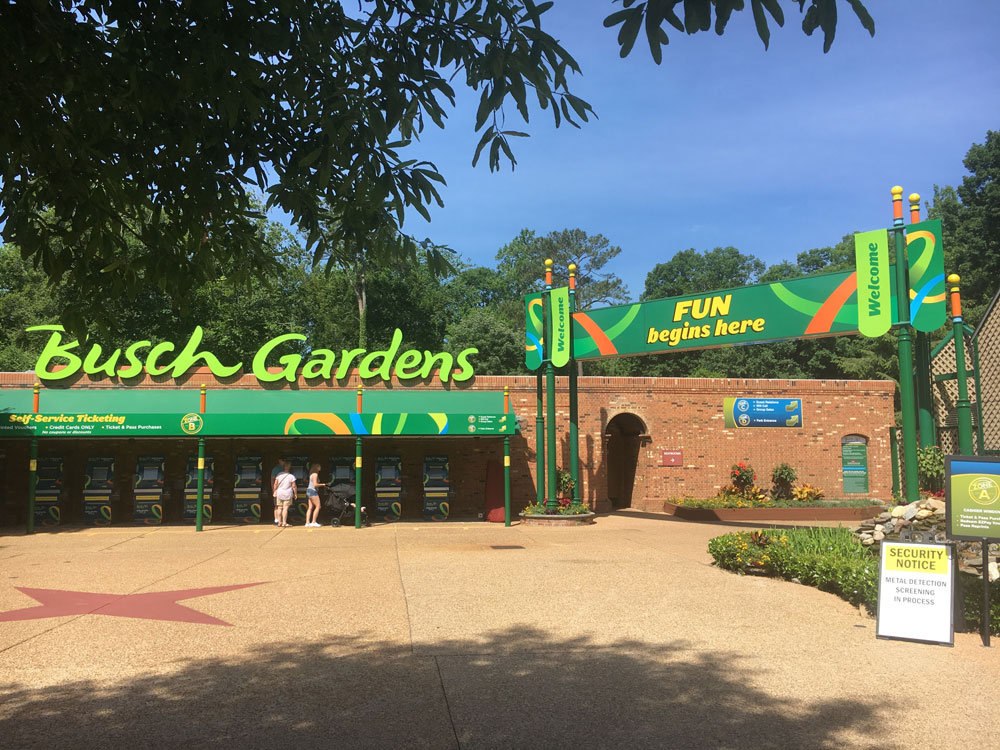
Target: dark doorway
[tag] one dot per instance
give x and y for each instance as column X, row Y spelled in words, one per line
column 622, row 440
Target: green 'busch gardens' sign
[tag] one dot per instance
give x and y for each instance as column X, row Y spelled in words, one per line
column 166, row 358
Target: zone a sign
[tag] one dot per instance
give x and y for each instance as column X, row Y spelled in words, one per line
column 167, row 358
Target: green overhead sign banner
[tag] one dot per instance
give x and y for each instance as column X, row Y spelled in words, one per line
column 871, row 256
column 813, row 306
column 925, row 256
column 232, row 423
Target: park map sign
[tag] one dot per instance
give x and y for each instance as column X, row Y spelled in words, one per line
column 832, row 304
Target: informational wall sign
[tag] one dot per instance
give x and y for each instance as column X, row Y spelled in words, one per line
column 762, row 412
column 671, row 458
column 972, row 490
column 854, row 462
column 916, row 585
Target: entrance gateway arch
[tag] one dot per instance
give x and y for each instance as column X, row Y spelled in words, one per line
column 873, row 298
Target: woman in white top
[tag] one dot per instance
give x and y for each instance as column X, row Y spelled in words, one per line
column 284, row 494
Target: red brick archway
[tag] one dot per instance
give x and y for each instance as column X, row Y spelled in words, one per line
column 623, row 437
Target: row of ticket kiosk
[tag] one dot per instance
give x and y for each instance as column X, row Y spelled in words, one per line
column 249, row 490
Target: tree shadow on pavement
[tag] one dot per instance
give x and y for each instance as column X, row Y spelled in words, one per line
column 520, row 688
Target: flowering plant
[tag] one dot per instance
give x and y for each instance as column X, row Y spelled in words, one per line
column 743, row 477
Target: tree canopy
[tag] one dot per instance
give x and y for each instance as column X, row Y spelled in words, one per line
column 135, row 134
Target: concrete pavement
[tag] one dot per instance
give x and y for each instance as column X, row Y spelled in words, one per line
column 459, row 635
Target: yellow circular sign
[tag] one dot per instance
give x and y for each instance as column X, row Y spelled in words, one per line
column 984, row 490
column 192, row 423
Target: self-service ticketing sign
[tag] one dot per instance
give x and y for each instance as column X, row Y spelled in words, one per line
column 147, row 507
column 388, row 488
column 437, row 488
column 299, row 468
column 191, row 490
column 98, row 483
column 48, row 491
column 246, row 489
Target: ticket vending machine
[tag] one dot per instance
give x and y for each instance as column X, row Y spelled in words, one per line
column 388, row 488
column 437, row 488
column 246, row 489
column 147, row 504
column 342, row 471
column 48, row 491
column 191, row 490
column 299, row 468
column 98, row 482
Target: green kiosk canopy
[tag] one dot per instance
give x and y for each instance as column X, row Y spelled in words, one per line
column 128, row 413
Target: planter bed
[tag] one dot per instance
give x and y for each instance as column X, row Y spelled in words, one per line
column 771, row 514
column 537, row 519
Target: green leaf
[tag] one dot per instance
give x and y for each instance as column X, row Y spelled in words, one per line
column 761, row 21
column 862, row 13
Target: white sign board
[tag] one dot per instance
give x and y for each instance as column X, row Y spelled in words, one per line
column 915, row 590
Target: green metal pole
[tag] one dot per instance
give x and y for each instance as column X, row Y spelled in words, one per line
column 981, row 446
column 32, row 481
column 907, row 400
column 894, row 448
column 550, row 434
column 550, row 396
column 925, row 419
column 506, row 481
column 963, row 407
column 574, row 413
column 539, row 441
column 357, row 483
column 201, row 484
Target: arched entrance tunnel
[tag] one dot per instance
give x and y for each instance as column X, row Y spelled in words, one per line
column 623, row 438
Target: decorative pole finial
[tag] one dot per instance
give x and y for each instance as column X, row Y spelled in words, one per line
column 914, row 207
column 548, row 272
column 897, row 205
column 572, row 276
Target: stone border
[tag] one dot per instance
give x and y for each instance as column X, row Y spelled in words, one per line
column 770, row 514
column 537, row 519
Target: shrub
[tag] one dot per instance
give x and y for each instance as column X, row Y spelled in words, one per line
column 806, row 493
column 564, row 483
column 831, row 560
column 782, row 477
column 930, row 468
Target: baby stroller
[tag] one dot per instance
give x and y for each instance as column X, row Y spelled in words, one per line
column 339, row 498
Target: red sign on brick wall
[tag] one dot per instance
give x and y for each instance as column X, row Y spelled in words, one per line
column 672, row 458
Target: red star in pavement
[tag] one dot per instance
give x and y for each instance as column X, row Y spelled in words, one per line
column 159, row 605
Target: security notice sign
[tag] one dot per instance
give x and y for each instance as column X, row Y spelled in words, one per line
column 916, row 585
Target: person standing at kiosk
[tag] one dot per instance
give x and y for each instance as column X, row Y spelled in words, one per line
column 284, row 494
column 281, row 466
column 312, row 496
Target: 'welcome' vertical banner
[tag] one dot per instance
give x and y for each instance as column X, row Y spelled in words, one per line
column 559, row 317
column 871, row 254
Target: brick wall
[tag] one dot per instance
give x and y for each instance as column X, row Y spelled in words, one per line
column 675, row 414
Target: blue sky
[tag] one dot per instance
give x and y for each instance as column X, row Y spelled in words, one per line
column 725, row 144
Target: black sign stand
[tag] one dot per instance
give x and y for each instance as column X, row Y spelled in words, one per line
column 984, row 627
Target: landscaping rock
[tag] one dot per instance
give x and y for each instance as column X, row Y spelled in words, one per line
column 910, row 511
